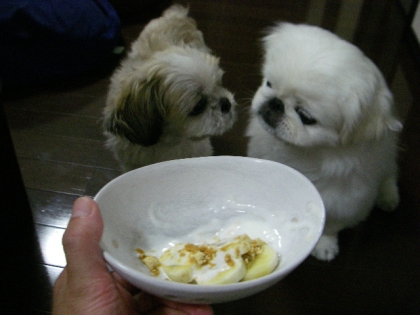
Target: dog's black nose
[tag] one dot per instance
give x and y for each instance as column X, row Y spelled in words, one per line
column 276, row 104
column 272, row 111
column 225, row 105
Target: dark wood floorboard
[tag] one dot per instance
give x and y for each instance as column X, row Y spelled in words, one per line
column 56, row 132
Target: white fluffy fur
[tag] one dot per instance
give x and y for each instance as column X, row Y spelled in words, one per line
column 347, row 146
column 169, row 71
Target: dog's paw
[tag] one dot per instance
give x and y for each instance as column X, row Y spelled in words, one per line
column 389, row 197
column 327, row 248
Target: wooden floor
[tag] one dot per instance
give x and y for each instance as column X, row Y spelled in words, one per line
column 57, row 135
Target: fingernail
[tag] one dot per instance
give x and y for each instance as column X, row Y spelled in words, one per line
column 82, row 207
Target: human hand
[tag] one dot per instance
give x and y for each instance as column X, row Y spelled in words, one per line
column 87, row 287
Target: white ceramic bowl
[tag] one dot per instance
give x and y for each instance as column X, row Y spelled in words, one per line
column 170, row 200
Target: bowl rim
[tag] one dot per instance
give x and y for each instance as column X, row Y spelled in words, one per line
column 202, row 160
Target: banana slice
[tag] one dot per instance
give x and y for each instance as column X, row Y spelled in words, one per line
column 229, row 258
column 179, row 273
column 233, row 274
column 263, row 264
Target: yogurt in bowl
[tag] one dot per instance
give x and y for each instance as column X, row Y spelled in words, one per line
column 208, row 201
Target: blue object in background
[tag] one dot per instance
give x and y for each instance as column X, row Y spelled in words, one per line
column 50, row 40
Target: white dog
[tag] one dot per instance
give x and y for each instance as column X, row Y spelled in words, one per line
column 166, row 99
column 324, row 109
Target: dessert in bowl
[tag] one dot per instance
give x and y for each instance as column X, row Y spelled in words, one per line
column 208, row 206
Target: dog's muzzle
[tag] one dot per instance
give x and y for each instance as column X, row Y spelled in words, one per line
column 271, row 110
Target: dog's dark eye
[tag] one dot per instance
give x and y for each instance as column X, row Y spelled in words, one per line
column 268, row 84
column 305, row 117
column 200, row 107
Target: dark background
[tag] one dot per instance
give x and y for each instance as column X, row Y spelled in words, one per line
column 56, row 134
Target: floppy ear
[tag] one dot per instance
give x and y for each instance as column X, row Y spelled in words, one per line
column 382, row 119
column 373, row 117
column 139, row 113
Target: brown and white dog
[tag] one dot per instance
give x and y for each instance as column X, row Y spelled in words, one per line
column 166, row 98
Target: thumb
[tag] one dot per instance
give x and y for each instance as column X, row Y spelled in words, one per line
column 81, row 241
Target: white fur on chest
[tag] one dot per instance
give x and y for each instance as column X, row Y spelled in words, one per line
column 347, row 177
